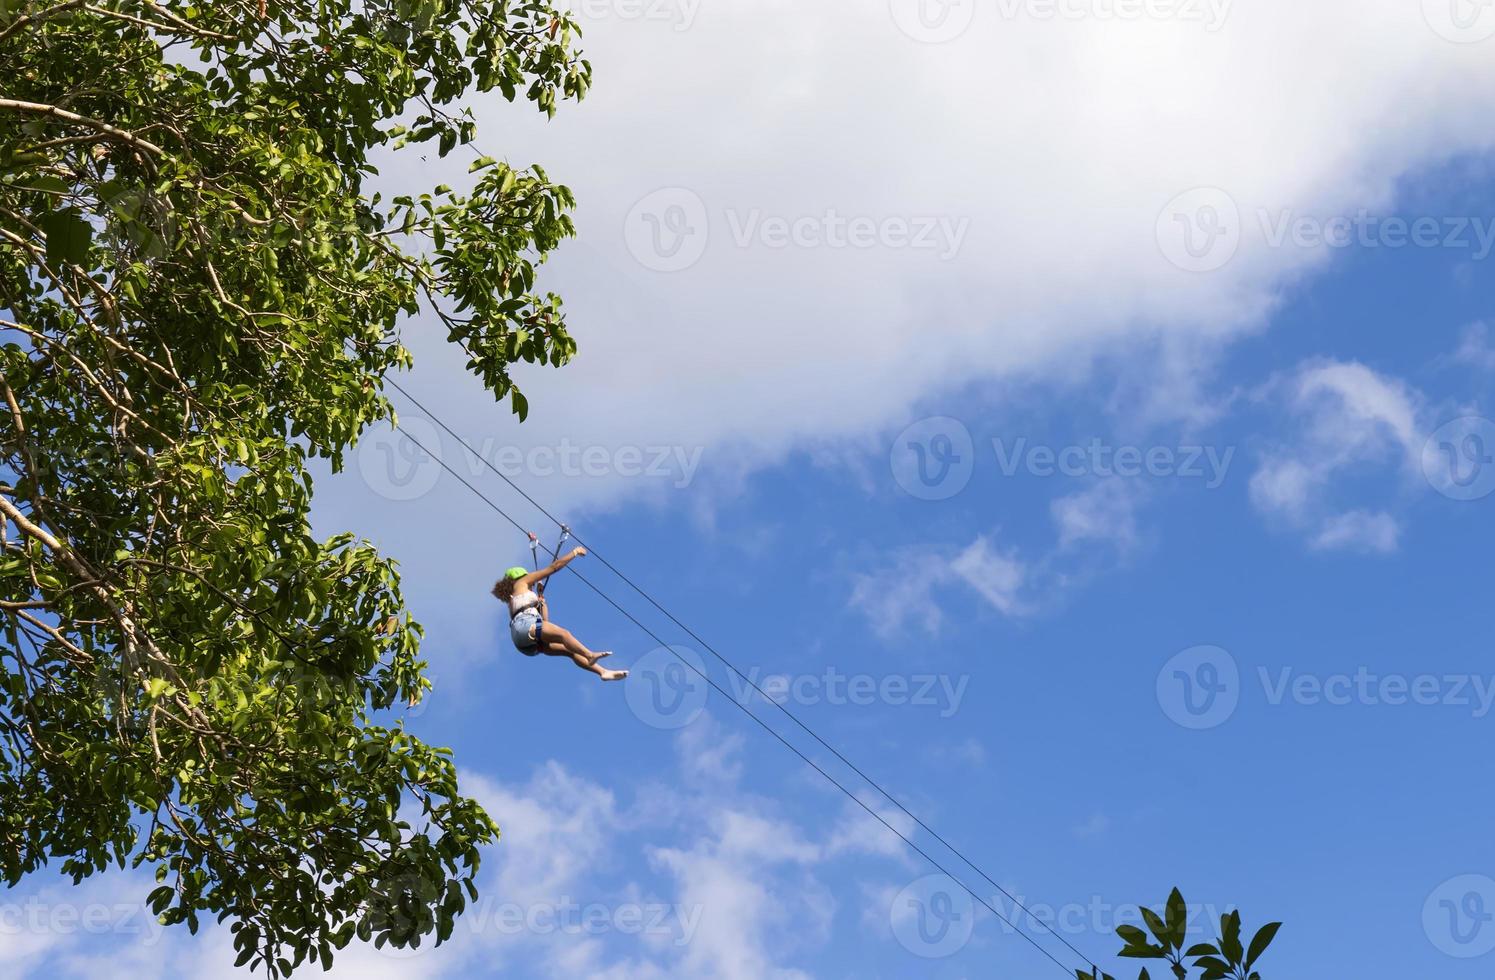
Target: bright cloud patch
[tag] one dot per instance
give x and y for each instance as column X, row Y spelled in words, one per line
column 1347, row 419
column 823, row 228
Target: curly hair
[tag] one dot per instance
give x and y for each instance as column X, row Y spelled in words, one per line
column 503, row 589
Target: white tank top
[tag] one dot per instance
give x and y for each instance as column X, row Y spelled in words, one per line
column 521, row 601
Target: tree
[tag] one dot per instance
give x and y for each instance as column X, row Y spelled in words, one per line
column 199, row 296
column 1224, row 959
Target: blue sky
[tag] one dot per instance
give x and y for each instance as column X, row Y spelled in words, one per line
column 1259, row 669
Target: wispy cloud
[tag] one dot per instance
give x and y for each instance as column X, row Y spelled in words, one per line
column 1475, row 348
column 1343, row 417
column 1358, row 530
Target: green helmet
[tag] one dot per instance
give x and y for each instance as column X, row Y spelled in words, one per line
column 518, row 571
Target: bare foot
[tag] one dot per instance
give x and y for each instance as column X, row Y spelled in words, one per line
column 614, row 675
column 598, row 656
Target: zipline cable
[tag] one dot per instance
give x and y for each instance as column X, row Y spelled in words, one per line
column 764, row 725
column 730, row 665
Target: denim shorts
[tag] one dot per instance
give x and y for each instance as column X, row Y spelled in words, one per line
column 524, row 629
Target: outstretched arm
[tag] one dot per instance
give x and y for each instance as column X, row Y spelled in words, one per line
column 534, row 577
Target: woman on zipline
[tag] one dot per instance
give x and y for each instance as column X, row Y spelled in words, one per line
column 529, row 619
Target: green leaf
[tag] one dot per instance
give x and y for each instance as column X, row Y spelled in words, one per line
column 1230, row 936
column 1261, row 941
column 1155, row 925
column 1178, row 919
column 68, row 237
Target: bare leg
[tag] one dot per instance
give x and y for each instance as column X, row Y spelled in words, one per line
column 557, row 641
column 559, row 651
column 551, row 634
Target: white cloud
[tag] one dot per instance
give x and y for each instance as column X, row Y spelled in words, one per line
column 898, row 593
column 758, row 349
column 741, row 881
column 1345, row 418
column 859, row 832
column 706, row 749
column 997, row 576
column 1097, row 825
column 902, row 592
column 554, row 831
column 1475, row 349
column 1105, row 513
column 1359, row 530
